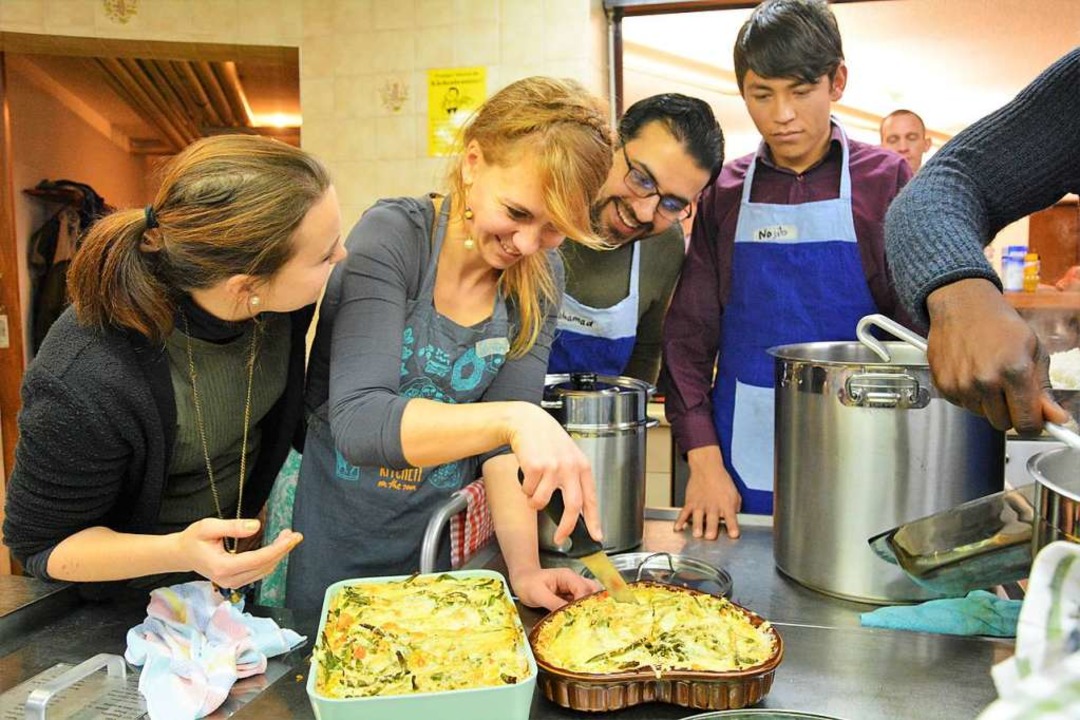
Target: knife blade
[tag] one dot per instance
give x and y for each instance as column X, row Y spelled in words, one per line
column 588, row 551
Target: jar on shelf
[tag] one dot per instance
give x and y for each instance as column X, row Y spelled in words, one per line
column 1031, row 272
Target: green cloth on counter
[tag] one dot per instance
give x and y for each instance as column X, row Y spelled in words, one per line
column 980, row 613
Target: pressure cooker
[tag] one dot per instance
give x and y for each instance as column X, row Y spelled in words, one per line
column 607, row 418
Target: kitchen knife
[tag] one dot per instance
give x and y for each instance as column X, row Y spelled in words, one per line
column 588, row 551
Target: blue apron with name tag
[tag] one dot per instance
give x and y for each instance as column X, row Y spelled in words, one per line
column 599, row 340
column 796, row 276
column 370, row 520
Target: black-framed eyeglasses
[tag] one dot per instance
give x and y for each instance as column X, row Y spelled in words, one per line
column 643, row 185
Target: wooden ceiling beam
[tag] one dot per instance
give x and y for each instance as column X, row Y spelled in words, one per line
column 138, row 74
column 192, row 83
column 117, row 76
column 213, row 90
column 181, row 109
column 234, row 92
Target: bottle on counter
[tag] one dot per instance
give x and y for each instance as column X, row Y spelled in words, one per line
column 1031, row 272
column 1012, row 268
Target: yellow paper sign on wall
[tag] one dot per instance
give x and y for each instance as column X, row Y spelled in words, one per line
column 454, row 94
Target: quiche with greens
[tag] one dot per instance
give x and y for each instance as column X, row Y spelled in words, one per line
column 427, row 633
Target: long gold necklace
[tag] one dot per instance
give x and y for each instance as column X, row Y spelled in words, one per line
column 200, row 425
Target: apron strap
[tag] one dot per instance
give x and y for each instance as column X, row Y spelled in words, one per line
column 437, row 203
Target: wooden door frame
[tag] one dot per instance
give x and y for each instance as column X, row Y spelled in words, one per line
column 12, row 358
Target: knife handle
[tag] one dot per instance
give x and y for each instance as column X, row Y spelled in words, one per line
column 581, row 542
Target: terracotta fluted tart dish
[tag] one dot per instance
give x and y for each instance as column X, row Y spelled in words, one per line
column 676, row 645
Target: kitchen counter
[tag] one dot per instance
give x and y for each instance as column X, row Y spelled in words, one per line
column 831, row 665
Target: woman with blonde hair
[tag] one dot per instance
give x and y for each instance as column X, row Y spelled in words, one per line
column 163, row 402
column 429, row 359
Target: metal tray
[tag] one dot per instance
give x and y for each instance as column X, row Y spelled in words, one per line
column 672, row 569
column 981, row 543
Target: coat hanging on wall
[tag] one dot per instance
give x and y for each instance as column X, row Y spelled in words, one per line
column 51, row 247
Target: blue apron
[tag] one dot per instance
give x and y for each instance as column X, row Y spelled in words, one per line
column 796, row 276
column 599, row 340
column 368, row 520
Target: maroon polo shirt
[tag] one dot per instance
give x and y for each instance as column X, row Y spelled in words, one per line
column 692, row 325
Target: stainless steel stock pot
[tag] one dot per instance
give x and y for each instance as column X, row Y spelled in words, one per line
column 607, row 418
column 862, row 445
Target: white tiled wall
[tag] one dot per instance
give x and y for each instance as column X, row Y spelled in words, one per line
column 349, row 49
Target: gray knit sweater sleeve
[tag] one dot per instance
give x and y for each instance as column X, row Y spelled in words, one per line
column 1019, row 159
column 367, row 305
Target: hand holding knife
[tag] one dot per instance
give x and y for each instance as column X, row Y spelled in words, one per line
column 590, row 552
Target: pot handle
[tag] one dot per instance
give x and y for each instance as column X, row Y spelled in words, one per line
column 862, row 331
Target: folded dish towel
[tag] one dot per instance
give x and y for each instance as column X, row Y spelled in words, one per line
column 979, row 613
column 194, row 645
column 472, row 529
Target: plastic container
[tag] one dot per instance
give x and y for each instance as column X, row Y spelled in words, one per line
column 1012, row 268
column 503, row 702
column 1031, row 272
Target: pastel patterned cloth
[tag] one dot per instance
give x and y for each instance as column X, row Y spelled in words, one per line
column 471, row 529
column 1042, row 679
column 979, row 613
column 194, row 645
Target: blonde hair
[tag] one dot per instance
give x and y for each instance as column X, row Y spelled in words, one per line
column 565, row 128
column 227, row 205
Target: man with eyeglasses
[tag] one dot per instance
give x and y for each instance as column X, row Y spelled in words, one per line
column 787, row 247
column 614, row 304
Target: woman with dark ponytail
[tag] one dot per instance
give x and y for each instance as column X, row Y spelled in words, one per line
column 163, row 402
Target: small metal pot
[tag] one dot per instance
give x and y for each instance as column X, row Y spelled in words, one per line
column 1057, row 497
column 607, row 418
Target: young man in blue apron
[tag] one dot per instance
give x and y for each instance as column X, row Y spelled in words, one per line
column 612, row 313
column 787, row 247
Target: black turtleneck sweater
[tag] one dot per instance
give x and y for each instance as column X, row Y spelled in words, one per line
column 1019, row 159
column 97, row 429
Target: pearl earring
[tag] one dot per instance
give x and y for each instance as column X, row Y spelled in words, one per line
column 254, row 301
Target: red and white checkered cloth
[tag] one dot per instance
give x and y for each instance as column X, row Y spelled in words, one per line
column 471, row 529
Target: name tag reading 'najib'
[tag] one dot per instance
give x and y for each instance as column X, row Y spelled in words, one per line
column 777, row 233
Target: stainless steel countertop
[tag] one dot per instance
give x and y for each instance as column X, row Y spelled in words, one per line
column 831, row 665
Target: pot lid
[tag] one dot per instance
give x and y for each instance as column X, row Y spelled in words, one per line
column 587, row 402
column 672, row 569
column 591, row 384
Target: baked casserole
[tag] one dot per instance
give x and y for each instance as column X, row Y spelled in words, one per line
column 669, row 629
column 423, row 634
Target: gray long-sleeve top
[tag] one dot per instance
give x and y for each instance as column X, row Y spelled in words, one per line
column 355, row 361
column 1019, row 159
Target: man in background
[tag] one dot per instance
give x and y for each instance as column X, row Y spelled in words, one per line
column 614, row 304
column 904, row 132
